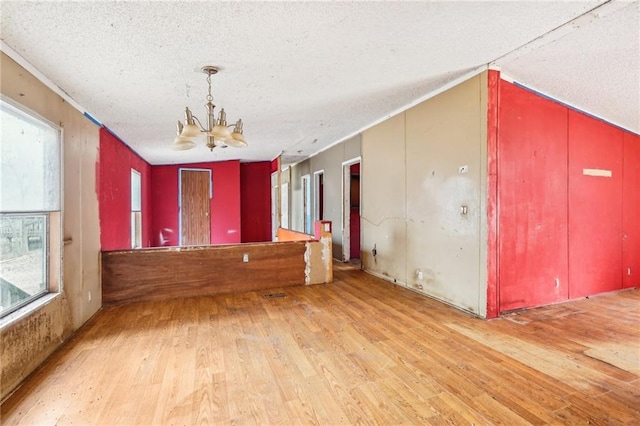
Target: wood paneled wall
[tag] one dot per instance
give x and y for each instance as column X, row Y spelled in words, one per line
column 165, row 273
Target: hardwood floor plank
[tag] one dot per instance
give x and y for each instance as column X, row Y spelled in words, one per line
column 549, row 361
column 382, row 410
column 448, row 409
column 358, row 350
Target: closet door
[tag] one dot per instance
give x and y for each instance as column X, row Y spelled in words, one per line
column 195, row 207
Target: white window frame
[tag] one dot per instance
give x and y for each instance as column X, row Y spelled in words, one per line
column 52, row 237
column 307, row 219
column 136, row 214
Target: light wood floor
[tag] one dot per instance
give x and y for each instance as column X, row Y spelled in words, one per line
column 359, row 350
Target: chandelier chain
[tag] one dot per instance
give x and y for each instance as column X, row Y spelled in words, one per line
column 209, row 96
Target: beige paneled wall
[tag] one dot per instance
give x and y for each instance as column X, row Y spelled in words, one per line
column 331, row 162
column 420, row 169
column 384, row 199
column 28, row 341
column 297, row 213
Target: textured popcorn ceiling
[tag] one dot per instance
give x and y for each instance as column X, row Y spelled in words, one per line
column 305, row 75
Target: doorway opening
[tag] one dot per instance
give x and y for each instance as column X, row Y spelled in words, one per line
column 318, row 183
column 306, row 204
column 351, row 211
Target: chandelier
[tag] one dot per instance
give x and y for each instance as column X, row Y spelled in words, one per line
column 216, row 131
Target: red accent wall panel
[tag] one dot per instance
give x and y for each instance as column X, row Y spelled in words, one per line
column 225, row 203
column 165, row 206
column 114, row 185
column 255, row 201
column 493, row 100
column 631, row 212
column 532, row 199
column 595, row 206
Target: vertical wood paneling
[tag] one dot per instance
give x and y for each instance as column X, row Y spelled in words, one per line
column 533, row 199
column 595, row 206
column 162, row 274
column 631, row 212
column 195, row 187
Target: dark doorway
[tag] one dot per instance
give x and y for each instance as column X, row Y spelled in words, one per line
column 354, row 212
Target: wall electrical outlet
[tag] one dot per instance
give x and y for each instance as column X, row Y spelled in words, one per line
column 89, row 296
column 420, row 275
column 245, row 257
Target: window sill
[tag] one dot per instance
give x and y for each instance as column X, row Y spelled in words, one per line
column 27, row 310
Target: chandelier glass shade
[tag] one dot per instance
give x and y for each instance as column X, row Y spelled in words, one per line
column 216, row 132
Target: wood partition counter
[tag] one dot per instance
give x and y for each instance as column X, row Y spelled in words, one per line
column 177, row 272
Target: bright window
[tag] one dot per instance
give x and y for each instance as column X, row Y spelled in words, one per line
column 136, row 209
column 29, row 208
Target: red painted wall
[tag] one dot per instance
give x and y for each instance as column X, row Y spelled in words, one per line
column 631, row 212
column 493, row 98
column 255, row 201
column 561, row 233
column 532, row 179
column 595, row 206
column 164, row 203
column 225, row 203
column 114, row 187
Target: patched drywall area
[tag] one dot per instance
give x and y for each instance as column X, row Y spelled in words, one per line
column 315, row 271
column 423, row 197
column 29, row 340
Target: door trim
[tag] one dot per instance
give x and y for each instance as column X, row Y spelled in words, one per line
column 346, row 206
column 316, row 196
column 180, row 169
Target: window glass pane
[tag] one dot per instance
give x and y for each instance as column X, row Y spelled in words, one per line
column 136, row 191
column 23, row 256
column 136, row 229
column 29, row 163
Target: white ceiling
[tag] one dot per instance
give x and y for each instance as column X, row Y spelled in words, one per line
column 304, row 75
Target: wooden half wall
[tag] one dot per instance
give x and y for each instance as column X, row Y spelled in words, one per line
column 180, row 272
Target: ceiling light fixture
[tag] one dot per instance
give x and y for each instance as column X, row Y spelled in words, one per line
column 217, row 132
